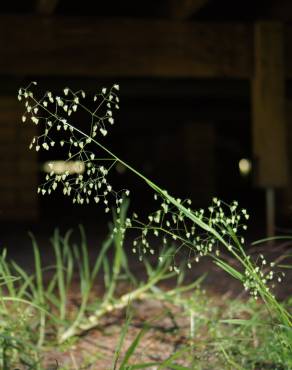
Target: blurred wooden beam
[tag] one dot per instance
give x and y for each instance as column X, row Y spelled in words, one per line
column 287, row 194
column 46, row 7
column 184, row 9
column 268, row 106
column 94, row 47
column 97, row 47
column 269, row 115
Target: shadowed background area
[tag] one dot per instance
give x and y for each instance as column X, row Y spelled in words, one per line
column 203, row 86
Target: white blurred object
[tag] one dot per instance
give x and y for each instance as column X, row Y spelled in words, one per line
column 60, row 167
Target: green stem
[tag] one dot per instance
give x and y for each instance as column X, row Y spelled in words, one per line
column 122, row 302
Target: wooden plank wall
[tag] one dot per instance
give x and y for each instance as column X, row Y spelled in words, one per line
column 18, row 164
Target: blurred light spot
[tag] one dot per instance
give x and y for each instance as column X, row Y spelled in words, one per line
column 60, row 167
column 244, row 166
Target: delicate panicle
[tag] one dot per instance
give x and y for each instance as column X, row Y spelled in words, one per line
column 51, row 112
column 172, row 224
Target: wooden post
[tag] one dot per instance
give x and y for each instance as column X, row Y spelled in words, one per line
column 270, row 211
column 268, row 109
column 288, row 192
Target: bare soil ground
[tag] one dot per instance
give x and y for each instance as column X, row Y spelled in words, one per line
column 170, row 330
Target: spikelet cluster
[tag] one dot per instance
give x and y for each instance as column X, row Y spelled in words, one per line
column 171, row 224
column 264, row 275
column 51, row 114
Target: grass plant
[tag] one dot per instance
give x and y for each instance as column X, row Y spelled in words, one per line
column 216, row 233
column 202, row 233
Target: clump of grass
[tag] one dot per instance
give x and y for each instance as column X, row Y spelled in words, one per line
column 41, row 303
column 20, row 315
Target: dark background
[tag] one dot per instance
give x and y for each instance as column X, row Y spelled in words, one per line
column 187, row 133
